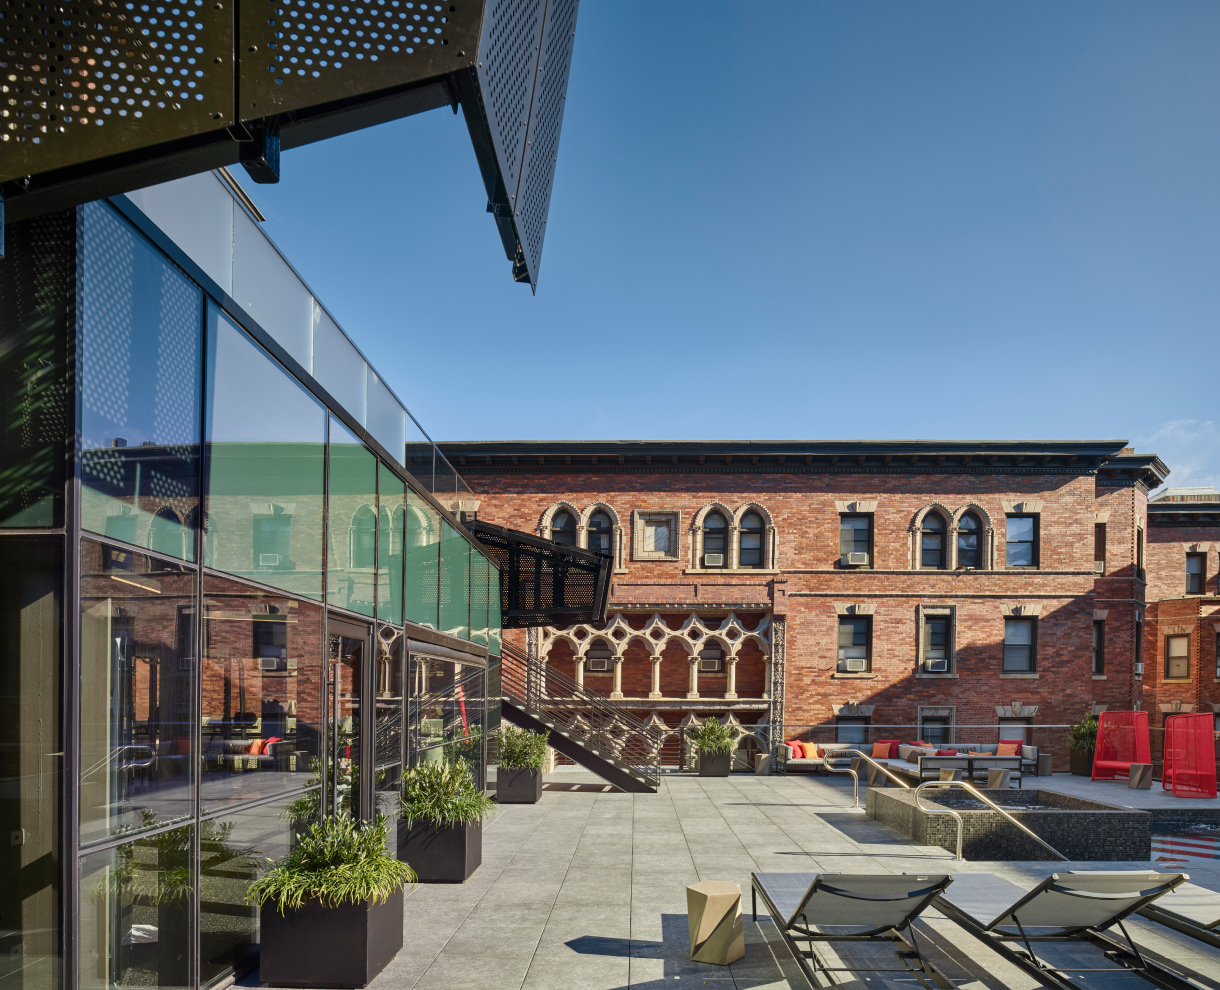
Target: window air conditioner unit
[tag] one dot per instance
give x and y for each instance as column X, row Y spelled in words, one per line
column 713, row 560
column 855, row 666
column 268, row 663
column 1099, row 567
column 599, row 663
column 857, row 558
column 1139, row 670
column 268, row 560
column 937, row 666
column 709, row 665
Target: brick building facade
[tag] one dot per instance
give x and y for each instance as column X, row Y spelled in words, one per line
column 921, row 583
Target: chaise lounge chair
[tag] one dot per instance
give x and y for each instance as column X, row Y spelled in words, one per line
column 1191, row 910
column 1063, row 908
column 843, row 907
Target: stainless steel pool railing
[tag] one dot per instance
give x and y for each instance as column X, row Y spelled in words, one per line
column 855, row 776
column 975, row 792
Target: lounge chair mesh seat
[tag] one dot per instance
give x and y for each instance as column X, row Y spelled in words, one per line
column 841, row 907
column 1122, row 739
column 1190, row 756
column 1065, row 907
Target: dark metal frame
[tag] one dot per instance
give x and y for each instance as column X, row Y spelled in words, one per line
column 907, row 952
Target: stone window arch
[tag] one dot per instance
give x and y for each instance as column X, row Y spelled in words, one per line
column 599, row 523
column 767, row 554
column 971, row 536
column 930, row 542
column 562, row 523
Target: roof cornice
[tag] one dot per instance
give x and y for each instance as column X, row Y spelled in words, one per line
column 1144, row 471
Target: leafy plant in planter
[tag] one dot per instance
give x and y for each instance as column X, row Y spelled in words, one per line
column 441, row 834
column 1082, row 743
column 519, row 773
column 331, row 910
column 715, row 744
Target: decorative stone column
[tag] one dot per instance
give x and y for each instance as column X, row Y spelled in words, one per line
column 617, row 693
column 779, row 629
column 580, row 671
column 693, row 693
column 734, row 547
column 766, row 677
column 655, row 689
column 730, row 688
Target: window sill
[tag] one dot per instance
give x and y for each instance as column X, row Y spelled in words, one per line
column 935, row 677
column 1099, row 677
column 729, row 570
column 843, row 675
column 1177, row 680
column 1013, row 676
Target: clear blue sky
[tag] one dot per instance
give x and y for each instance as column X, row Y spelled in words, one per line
column 810, row 220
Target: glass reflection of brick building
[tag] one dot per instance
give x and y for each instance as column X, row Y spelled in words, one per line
column 233, row 594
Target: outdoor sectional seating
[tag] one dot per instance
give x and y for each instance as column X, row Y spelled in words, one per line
column 912, row 761
column 234, row 755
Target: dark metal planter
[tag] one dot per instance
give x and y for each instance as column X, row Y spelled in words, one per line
column 1081, row 762
column 518, row 786
column 316, row 946
column 449, row 854
column 715, row 766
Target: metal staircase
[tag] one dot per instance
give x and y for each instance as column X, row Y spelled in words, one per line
column 585, row 726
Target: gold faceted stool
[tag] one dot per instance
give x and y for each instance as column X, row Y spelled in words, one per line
column 713, row 911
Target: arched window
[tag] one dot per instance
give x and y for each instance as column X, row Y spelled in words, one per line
column 968, row 534
column 715, row 539
column 563, row 528
column 364, row 537
column 598, row 656
column 165, row 533
column 932, row 541
column 751, row 540
column 601, row 532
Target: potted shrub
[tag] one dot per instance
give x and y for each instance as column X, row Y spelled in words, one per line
column 519, row 771
column 1083, row 742
column 715, row 744
column 331, row 910
column 440, row 833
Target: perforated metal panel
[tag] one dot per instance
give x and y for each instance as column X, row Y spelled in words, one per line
column 83, row 80
column 300, row 53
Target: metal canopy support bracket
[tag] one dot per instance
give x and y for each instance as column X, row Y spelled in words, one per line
column 544, row 583
column 260, row 156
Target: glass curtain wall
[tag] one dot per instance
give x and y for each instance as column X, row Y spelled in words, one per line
column 225, row 510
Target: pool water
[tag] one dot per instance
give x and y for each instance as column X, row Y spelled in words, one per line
column 1178, row 845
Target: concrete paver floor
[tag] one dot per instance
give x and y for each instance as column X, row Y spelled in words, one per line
column 587, row 889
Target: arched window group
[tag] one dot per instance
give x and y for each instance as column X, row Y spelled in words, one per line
column 728, row 540
column 596, row 528
column 943, row 544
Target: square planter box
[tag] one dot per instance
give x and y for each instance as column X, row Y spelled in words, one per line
column 518, row 786
column 715, row 766
column 316, row 946
column 1080, row 761
column 449, row 854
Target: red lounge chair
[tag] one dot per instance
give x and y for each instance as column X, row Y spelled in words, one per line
column 1122, row 739
column 1190, row 756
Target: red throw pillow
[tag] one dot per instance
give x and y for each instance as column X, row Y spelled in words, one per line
column 1013, row 742
column 267, row 745
column 946, row 752
column 893, row 743
column 918, row 742
column 798, row 751
column 256, row 747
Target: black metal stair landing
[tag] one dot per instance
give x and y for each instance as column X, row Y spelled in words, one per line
column 584, row 726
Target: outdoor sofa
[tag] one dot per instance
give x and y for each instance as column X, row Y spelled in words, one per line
column 912, row 761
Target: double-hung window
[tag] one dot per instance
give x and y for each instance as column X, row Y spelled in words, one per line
column 935, row 628
column 932, row 541
column 563, row 528
column 855, row 644
column 601, row 533
column 1099, row 646
column 751, row 537
column 715, row 540
column 968, row 530
column 855, row 540
column 1020, row 641
column 1021, row 541
column 1177, row 657
column 1196, row 573
column 1099, row 548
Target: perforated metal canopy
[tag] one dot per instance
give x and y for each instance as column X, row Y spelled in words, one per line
column 543, row 583
column 101, row 97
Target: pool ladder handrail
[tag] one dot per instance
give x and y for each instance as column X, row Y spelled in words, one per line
column 855, row 776
column 971, row 789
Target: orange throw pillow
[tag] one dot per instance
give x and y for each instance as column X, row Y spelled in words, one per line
column 1008, row 749
column 978, row 754
column 881, row 750
column 798, row 751
column 256, row 747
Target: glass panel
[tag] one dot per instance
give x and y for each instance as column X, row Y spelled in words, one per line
column 423, row 561
column 931, row 546
column 141, row 329
column 137, row 684
column 455, row 583
column 478, row 597
column 267, row 288
column 388, row 738
column 135, row 913
column 493, row 592
column 232, row 851
column 853, row 534
column 1020, row 555
column 262, row 695
column 563, row 528
column 386, row 419
column 1020, row 528
column 936, row 639
column 31, row 744
column 853, row 731
column 347, row 652
column 351, row 522
column 1018, row 644
column 445, row 480
column 419, row 454
column 266, row 466
column 445, row 712
column 35, row 283
column 390, row 532
column 935, row 732
column 338, row 366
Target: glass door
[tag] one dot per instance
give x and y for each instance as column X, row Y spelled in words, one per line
column 348, row 651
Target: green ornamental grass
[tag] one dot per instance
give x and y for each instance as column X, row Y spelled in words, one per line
column 443, row 794
column 521, row 749
column 712, row 738
column 338, row 861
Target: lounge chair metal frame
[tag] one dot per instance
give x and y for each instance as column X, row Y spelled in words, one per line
column 1202, row 930
column 906, row 952
column 1121, row 952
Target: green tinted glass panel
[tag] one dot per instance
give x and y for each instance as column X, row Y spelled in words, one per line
column 35, row 286
column 493, row 593
column 351, row 523
column 478, row 597
column 390, row 532
column 141, row 377
column 455, row 583
column 266, row 448
column 423, row 559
